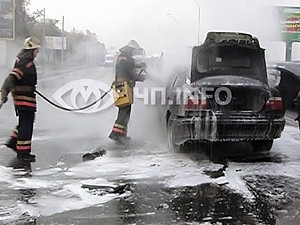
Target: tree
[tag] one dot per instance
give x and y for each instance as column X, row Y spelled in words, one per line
column 79, row 45
column 22, row 19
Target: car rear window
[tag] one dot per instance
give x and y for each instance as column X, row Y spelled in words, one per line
column 229, row 60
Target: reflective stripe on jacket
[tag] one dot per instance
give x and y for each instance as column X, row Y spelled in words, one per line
column 23, row 92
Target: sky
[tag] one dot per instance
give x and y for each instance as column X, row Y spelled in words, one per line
column 158, row 25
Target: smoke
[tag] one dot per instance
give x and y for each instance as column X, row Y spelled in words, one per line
column 258, row 18
column 157, row 24
column 87, row 52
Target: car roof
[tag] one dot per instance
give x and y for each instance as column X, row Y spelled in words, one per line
column 293, row 67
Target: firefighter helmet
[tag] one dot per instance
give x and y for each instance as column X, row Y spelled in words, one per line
column 31, row 43
column 131, row 47
column 133, row 44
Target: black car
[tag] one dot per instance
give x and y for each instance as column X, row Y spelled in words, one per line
column 224, row 96
column 285, row 77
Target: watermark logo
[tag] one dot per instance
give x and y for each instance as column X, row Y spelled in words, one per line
column 161, row 96
column 80, row 93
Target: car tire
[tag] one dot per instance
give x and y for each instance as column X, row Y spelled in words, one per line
column 171, row 145
column 262, row 145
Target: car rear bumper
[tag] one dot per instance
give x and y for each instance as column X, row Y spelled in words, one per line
column 213, row 127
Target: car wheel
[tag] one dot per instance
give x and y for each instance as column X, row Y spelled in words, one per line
column 262, row 145
column 171, row 145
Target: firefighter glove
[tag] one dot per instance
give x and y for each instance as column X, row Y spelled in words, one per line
column 3, row 97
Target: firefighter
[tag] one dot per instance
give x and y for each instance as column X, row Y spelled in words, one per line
column 21, row 83
column 126, row 76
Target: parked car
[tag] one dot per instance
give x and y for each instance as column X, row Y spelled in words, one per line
column 223, row 96
column 285, row 77
column 109, row 60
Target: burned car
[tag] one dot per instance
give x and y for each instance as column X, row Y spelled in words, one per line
column 224, row 96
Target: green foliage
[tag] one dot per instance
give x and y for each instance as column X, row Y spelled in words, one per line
column 22, row 18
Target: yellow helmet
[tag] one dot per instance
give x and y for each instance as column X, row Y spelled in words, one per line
column 31, row 43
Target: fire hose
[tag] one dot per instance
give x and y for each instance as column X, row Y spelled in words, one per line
column 76, row 109
column 68, row 109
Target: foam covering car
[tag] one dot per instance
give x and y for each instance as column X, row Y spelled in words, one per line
column 224, row 95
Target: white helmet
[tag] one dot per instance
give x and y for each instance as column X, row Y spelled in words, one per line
column 133, row 44
column 31, row 43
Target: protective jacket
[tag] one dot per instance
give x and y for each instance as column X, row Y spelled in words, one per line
column 126, row 69
column 22, row 82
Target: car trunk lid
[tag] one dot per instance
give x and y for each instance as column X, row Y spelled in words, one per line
column 234, row 93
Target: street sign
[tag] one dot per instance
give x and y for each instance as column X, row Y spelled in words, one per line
column 290, row 23
column 7, row 19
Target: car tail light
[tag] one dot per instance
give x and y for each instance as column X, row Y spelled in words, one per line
column 197, row 103
column 274, row 104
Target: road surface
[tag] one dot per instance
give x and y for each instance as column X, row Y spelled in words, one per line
column 141, row 183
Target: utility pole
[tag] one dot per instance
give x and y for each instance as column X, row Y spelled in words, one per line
column 288, row 51
column 177, row 27
column 44, row 39
column 198, row 21
column 62, row 40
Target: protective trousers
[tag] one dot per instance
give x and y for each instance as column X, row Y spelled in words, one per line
column 20, row 139
column 120, row 126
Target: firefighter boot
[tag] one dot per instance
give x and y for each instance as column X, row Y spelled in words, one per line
column 124, row 140
column 26, row 156
column 114, row 136
column 119, row 138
